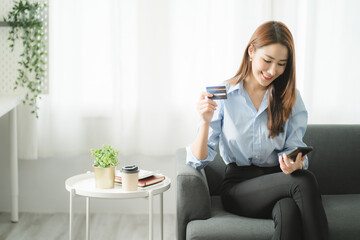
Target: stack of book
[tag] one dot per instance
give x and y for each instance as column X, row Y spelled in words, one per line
column 146, row 178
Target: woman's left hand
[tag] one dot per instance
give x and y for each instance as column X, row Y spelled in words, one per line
column 288, row 165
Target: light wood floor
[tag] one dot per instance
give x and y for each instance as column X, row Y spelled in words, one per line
column 44, row 226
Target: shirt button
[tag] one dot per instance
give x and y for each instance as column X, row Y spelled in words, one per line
column 256, row 136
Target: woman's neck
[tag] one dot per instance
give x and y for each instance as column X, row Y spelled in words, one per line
column 252, row 86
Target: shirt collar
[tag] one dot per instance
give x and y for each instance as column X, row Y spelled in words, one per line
column 239, row 86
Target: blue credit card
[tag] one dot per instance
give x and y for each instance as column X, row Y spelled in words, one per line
column 219, row 92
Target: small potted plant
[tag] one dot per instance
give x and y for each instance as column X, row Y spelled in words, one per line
column 106, row 159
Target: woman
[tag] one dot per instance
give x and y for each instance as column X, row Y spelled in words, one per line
column 261, row 120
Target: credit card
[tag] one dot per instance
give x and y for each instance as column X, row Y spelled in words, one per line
column 219, row 92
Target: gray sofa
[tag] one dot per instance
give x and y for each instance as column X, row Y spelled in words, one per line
column 335, row 162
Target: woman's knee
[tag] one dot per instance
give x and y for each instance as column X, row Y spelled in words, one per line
column 305, row 179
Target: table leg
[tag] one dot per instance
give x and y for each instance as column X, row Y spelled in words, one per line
column 72, row 191
column 87, row 218
column 161, row 217
column 150, row 215
column 14, row 167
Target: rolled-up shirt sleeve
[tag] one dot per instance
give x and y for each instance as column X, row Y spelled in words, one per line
column 213, row 141
column 296, row 128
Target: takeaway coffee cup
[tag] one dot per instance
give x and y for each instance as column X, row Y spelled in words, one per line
column 130, row 178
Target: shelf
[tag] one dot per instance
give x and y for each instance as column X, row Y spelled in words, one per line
column 8, row 102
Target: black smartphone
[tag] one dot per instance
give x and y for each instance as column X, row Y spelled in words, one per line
column 304, row 150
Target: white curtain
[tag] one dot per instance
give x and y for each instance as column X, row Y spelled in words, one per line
column 129, row 72
column 333, row 89
column 327, row 40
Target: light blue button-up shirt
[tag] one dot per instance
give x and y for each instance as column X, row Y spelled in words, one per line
column 242, row 134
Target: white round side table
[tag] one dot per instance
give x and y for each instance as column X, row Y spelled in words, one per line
column 84, row 185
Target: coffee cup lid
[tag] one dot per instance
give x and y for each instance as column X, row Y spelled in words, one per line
column 130, row 169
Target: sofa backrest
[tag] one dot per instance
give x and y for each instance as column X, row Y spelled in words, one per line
column 335, row 160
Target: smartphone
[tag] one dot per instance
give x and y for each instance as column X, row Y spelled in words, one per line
column 304, row 150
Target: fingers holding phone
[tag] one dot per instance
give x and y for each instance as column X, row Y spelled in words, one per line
column 289, row 165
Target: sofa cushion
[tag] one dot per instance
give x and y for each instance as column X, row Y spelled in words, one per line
column 224, row 225
column 342, row 212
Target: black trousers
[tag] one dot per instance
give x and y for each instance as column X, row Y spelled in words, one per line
column 293, row 201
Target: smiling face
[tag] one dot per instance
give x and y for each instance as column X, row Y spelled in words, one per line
column 268, row 63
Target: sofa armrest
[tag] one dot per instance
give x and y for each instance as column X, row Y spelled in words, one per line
column 193, row 197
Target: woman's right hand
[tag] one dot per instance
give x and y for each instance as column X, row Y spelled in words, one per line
column 206, row 107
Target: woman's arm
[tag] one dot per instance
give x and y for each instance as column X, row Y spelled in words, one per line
column 206, row 108
column 199, row 145
column 296, row 128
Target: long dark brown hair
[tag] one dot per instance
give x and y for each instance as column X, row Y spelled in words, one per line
column 282, row 91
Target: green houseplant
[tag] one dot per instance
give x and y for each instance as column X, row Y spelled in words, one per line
column 27, row 25
column 105, row 161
